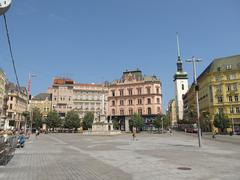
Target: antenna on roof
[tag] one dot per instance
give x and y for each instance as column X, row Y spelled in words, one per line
column 178, row 47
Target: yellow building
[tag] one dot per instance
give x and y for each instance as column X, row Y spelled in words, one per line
column 219, row 90
column 43, row 102
column 16, row 105
column 172, row 114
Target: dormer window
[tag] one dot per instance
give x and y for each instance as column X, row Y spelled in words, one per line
column 229, row 67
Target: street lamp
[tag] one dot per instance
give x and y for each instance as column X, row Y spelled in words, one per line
column 4, row 6
column 232, row 111
column 30, row 76
column 194, row 61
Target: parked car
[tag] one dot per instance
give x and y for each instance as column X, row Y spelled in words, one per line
column 191, row 130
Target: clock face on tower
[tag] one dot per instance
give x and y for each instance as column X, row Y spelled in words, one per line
column 4, row 5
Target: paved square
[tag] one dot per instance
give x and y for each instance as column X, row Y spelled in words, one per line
column 77, row 157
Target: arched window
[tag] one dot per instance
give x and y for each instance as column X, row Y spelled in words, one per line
column 149, row 111
column 113, row 112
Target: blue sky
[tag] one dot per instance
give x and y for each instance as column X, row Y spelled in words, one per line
column 96, row 40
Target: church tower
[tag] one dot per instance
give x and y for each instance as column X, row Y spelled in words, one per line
column 181, row 84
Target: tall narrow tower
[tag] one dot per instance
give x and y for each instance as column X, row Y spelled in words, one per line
column 181, row 84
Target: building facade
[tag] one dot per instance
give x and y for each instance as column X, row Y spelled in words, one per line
column 2, row 98
column 134, row 93
column 219, row 90
column 68, row 95
column 62, row 95
column 88, row 97
column 16, row 104
column 42, row 101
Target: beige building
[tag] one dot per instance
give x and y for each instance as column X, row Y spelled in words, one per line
column 17, row 103
column 68, row 95
column 88, row 97
column 172, row 112
column 43, row 102
column 62, row 95
column 2, row 97
column 135, row 93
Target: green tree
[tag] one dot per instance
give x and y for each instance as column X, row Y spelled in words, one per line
column 72, row 120
column 205, row 121
column 88, row 120
column 116, row 124
column 137, row 121
column 37, row 118
column 26, row 115
column 221, row 121
column 53, row 120
column 161, row 120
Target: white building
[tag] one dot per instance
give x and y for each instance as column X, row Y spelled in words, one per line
column 181, row 86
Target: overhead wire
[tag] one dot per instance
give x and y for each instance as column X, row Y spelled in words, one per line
column 11, row 52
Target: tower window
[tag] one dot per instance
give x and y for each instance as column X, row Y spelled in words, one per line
column 182, row 86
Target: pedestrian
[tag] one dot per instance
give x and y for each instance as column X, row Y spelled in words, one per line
column 134, row 135
column 37, row 133
column 214, row 135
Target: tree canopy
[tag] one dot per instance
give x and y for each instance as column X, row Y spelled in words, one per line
column 161, row 120
column 37, row 118
column 72, row 120
column 88, row 120
column 137, row 121
column 221, row 121
column 53, row 120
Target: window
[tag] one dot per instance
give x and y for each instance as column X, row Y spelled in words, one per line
column 234, row 87
column 236, row 98
column 229, row 87
column 231, row 110
column 130, row 111
column 158, row 101
column 69, row 98
column 113, row 93
column 139, row 90
column 237, row 110
column 230, row 98
column 219, row 88
column 220, row 110
column 113, row 103
column 139, row 101
column 121, row 92
column 149, row 101
column 11, row 98
column 229, row 67
column 121, row 111
column 129, row 92
column 140, row 111
column 218, row 78
column 148, row 90
column 113, row 112
column 219, row 69
column 121, row 102
column 10, row 106
column 182, row 86
column 158, row 109
column 157, row 90
column 220, row 99
column 149, row 111
column 130, row 102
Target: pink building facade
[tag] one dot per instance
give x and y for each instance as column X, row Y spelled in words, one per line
column 135, row 93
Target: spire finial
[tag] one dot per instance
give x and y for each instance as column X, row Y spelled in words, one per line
column 178, row 47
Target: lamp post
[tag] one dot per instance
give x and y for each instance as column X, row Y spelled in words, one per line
column 194, row 61
column 232, row 111
column 30, row 76
column 4, row 6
